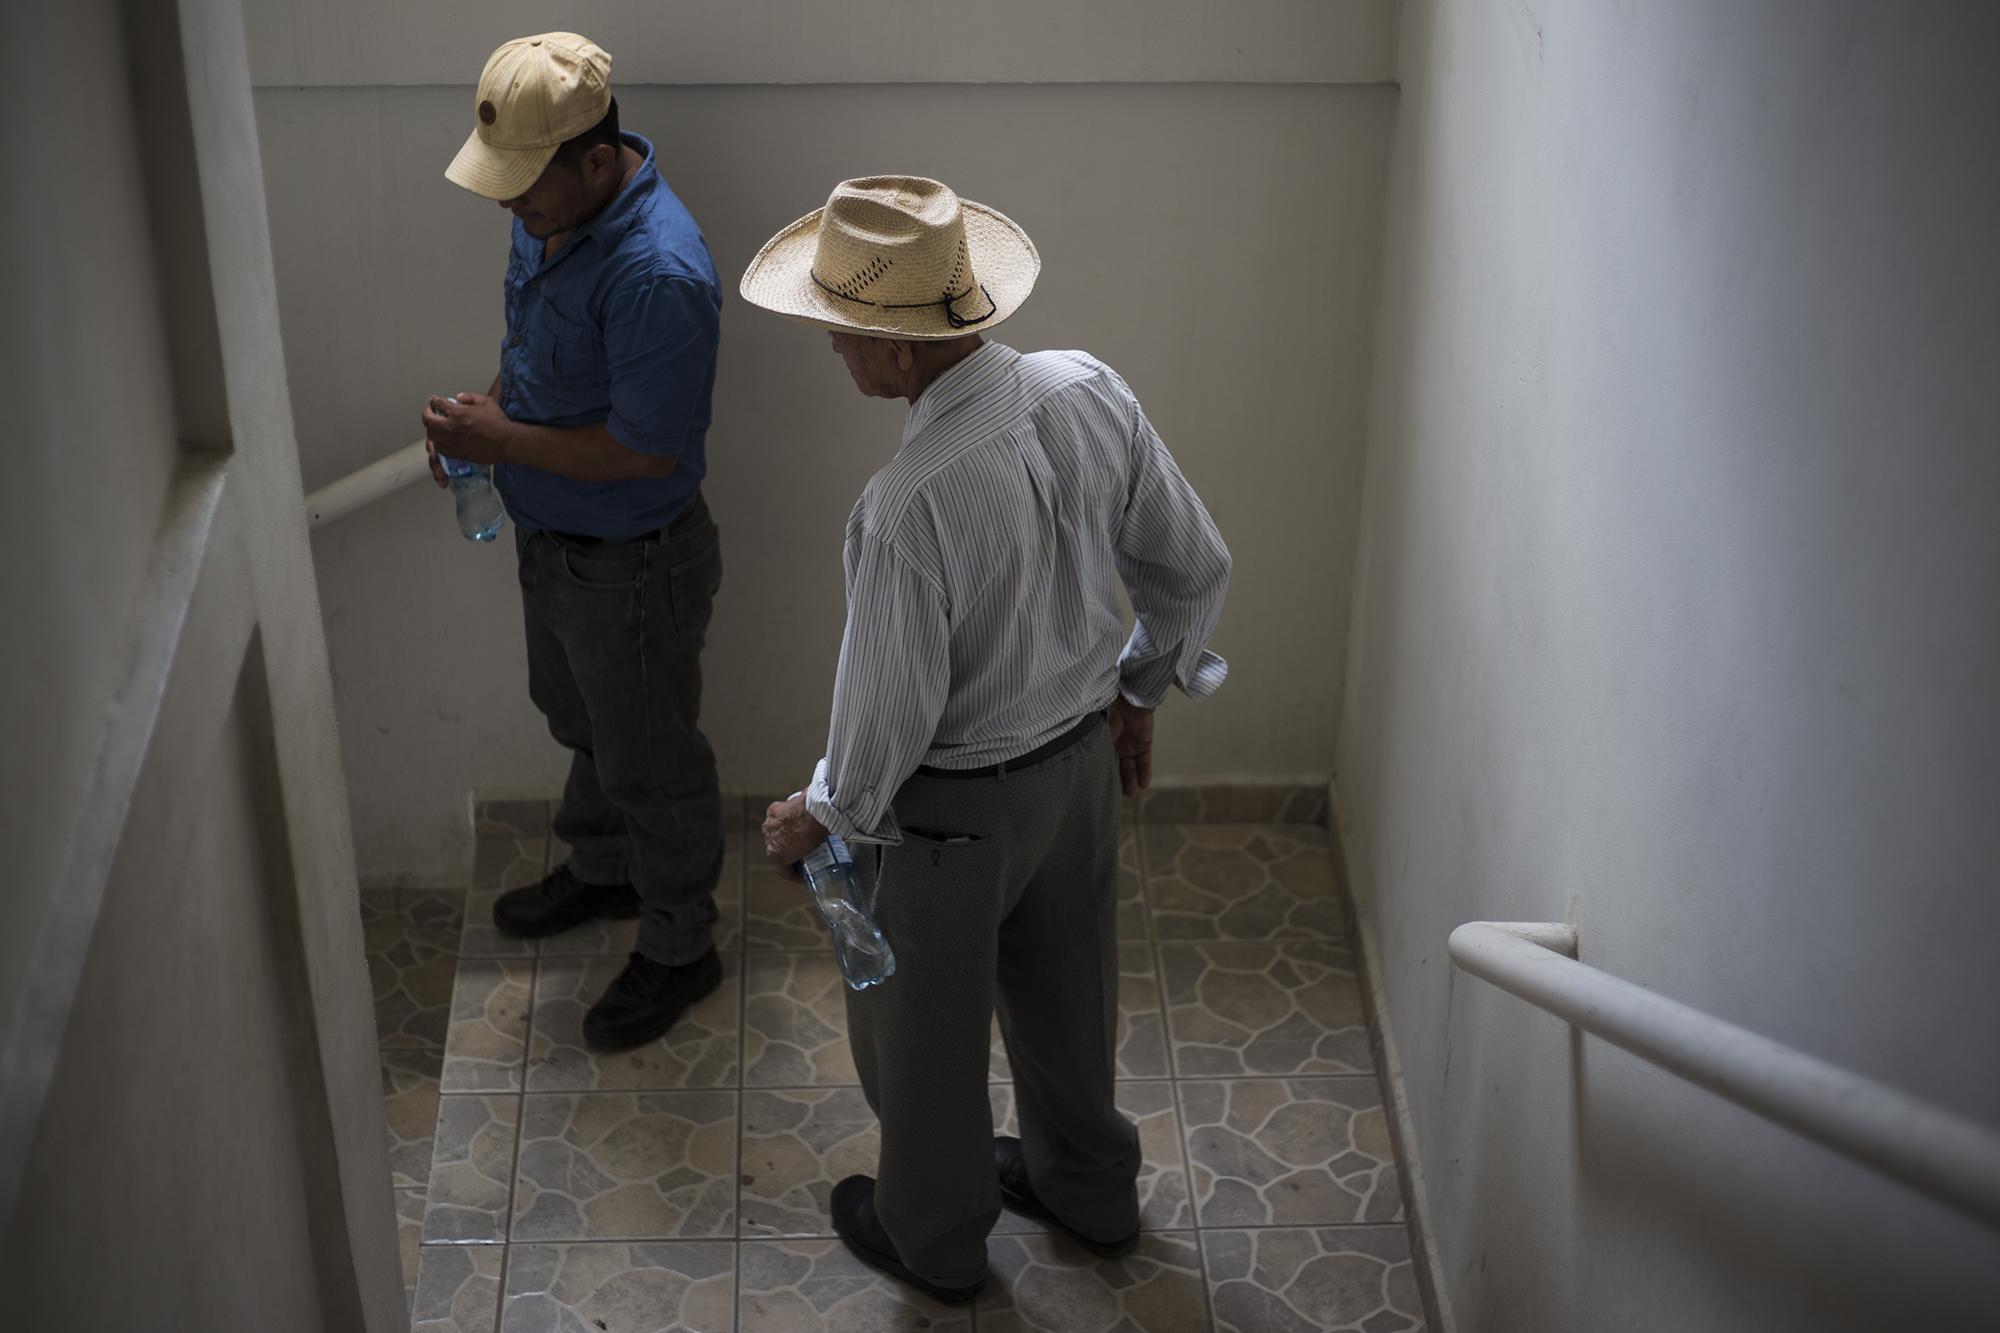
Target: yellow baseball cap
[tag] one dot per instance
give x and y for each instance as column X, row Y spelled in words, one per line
column 535, row 94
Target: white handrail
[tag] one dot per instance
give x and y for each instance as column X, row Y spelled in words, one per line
column 384, row 476
column 1946, row 1156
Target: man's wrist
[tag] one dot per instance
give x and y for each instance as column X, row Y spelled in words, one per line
column 513, row 441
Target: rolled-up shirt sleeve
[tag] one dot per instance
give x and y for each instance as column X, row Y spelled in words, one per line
column 888, row 693
column 660, row 334
column 1176, row 571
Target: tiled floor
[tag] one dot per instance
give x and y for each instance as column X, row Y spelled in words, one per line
column 684, row 1186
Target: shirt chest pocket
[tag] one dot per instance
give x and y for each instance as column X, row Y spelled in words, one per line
column 572, row 352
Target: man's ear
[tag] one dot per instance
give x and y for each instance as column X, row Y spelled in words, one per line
column 906, row 356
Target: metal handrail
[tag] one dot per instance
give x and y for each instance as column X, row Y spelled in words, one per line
column 381, row 478
column 1950, row 1158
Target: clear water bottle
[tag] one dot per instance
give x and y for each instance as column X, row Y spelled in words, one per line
column 480, row 514
column 864, row 956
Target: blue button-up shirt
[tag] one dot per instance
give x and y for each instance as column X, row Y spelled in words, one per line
column 618, row 327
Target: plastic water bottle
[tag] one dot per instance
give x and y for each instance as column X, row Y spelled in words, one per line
column 864, row 956
column 480, row 514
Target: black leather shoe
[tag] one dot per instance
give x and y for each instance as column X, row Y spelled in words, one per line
column 645, row 999
column 560, row 901
column 1012, row 1165
column 853, row 1210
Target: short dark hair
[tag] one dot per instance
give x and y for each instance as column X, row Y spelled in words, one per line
column 572, row 152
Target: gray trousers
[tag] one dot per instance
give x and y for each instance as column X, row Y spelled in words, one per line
column 1024, row 918
column 615, row 632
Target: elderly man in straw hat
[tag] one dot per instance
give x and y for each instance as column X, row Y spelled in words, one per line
column 984, row 716
column 597, row 423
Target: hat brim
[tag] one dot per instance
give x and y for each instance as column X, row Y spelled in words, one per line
column 1004, row 261
column 497, row 173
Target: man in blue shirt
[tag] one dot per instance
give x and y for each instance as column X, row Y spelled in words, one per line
column 596, row 426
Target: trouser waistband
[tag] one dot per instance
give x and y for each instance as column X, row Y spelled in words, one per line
column 1048, row 750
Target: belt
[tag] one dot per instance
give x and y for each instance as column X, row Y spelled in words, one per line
column 694, row 512
column 1049, row 750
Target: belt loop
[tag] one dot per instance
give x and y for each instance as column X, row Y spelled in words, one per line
column 1001, row 776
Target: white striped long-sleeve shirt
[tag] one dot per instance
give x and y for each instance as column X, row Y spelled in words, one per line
column 983, row 566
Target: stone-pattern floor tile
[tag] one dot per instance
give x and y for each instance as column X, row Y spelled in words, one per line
column 626, row 1166
column 488, row 1037
column 410, row 971
column 472, row 1173
column 508, row 862
column 1305, row 805
column 1256, row 803
column 599, row 937
column 778, row 912
column 381, row 907
column 499, row 864
column 1288, row 1008
column 410, row 1099
column 700, row 1051
column 816, row 1286
column 795, row 1022
column 603, row 936
column 1344, row 1280
column 1241, row 882
column 434, row 909
column 1132, row 920
column 643, row 1287
column 1289, row 1152
column 458, row 1289
column 1163, row 1182
column 797, row 1145
column 1142, row 1029
column 512, row 817
column 1048, row 1285
column 632, row 1171
column 409, row 1238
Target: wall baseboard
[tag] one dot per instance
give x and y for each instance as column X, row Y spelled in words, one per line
column 1424, row 1250
column 525, row 811
column 381, row 882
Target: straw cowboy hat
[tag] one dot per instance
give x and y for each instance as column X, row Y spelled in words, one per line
column 896, row 257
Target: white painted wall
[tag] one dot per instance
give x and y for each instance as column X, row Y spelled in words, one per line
column 191, row 1125
column 336, row 43
column 1217, row 242
column 1677, row 616
column 91, row 439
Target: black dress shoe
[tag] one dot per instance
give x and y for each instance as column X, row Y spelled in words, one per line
column 853, row 1209
column 646, row 999
column 1012, row 1165
column 560, row 901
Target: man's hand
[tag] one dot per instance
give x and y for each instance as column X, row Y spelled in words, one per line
column 470, row 427
column 1132, row 738
column 790, row 833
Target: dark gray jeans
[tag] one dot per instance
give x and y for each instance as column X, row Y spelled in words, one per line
column 1024, row 917
column 615, row 632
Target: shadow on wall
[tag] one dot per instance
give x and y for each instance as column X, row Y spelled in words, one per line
column 1646, row 1181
